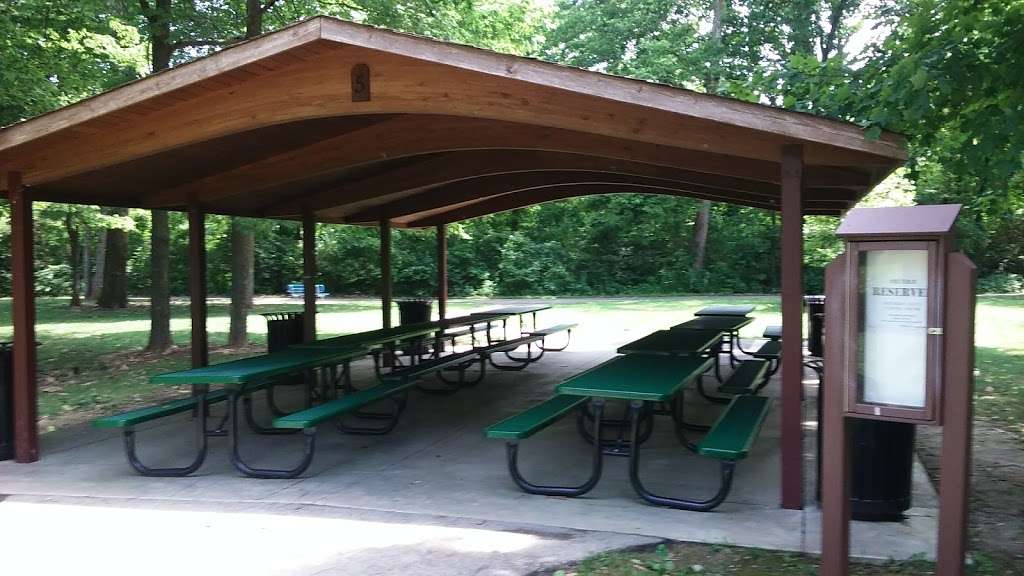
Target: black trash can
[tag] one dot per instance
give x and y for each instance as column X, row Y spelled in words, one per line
column 6, row 401
column 882, row 466
column 881, row 453
column 283, row 330
column 414, row 310
column 816, row 318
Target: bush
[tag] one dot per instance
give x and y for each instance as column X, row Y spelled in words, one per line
column 1001, row 283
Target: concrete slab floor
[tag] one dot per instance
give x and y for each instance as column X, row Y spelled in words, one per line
column 432, row 497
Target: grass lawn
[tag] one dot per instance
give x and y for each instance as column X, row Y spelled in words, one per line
column 681, row 559
column 91, row 360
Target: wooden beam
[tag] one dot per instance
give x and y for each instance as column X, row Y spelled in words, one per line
column 441, row 234
column 454, row 167
column 197, row 284
column 385, row 273
column 26, row 434
column 490, row 185
column 792, row 327
column 309, row 273
column 408, row 136
column 540, row 194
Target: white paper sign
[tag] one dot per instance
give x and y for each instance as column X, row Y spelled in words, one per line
column 895, row 344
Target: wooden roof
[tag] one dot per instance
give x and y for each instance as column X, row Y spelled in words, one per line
column 273, row 126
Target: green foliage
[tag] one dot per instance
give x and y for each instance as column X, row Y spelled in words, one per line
column 945, row 73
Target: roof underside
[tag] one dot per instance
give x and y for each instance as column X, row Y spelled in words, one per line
column 269, row 128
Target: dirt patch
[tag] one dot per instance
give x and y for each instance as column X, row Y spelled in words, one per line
column 997, row 487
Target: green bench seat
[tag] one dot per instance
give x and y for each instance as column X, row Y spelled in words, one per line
column 429, row 366
column 746, row 378
column 733, row 434
column 773, row 332
column 140, row 415
column 770, row 350
column 311, row 417
column 535, row 419
column 551, row 330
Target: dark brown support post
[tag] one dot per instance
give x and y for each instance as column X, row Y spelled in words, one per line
column 835, row 473
column 957, row 414
column 309, row 275
column 385, row 272
column 792, row 327
column 197, row 283
column 442, row 271
column 23, row 302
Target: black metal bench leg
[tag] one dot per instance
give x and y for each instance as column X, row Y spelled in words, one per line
column 708, row 397
column 202, row 409
column 250, row 419
column 682, row 504
column 309, row 446
column 568, row 340
column 529, row 358
column 612, row 446
column 678, row 404
column 390, row 421
column 512, row 451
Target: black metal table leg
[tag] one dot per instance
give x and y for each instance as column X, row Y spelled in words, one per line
column 512, row 451
column 727, row 468
column 309, row 445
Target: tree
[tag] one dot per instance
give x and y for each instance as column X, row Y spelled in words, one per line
column 114, row 293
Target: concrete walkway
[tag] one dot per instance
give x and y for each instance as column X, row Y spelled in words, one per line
column 433, row 497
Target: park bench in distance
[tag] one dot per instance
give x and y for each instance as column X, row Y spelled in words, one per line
column 298, row 290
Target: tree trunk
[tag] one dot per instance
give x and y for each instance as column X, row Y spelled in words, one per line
column 701, row 224
column 101, row 262
column 242, row 240
column 160, row 338
column 242, row 248
column 75, row 257
column 87, row 263
column 114, row 293
column 700, row 234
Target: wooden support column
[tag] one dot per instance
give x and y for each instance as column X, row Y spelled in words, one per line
column 26, row 433
column 197, row 284
column 442, row 270
column 309, row 275
column 385, row 272
column 792, row 327
column 835, row 465
column 957, row 415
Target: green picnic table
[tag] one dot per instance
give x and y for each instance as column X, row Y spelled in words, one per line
column 721, row 323
column 728, row 325
column 725, row 310
column 674, row 342
column 241, row 377
column 642, row 380
column 519, row 311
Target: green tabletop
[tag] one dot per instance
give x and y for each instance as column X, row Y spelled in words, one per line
column 514, row 310
column 475, row 318
column 373, row 337
column 725, row 310
column 681, row 342
column 258, row 368
column 637, row 377
column 722, row 323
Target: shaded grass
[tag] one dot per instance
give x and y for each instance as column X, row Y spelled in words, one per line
column 707, row 559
